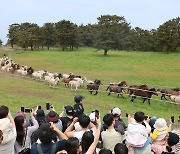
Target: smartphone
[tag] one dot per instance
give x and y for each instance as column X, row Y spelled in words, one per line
column 39, row 107
column 97, row 114
column 172, row 119
column 126, row 114
column 22, row 108
column 47, row 106
column 27, row 110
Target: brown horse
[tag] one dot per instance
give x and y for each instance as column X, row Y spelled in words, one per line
column 94, row 86
column 145, row 94
column 133, row 88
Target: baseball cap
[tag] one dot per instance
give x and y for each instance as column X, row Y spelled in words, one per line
column 116, row 111
column 69, row 109
column 78, row 98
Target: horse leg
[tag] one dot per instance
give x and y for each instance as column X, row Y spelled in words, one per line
column 144, row 99
column 122, row 96
column 109, row 93
column 96, row 92
column 149, row 101
column 132, row 99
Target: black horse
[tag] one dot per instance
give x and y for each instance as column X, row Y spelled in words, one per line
column 94, row 86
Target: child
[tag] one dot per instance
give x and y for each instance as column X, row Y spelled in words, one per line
column 78, row 107
column 160, row 132
column 137, row 135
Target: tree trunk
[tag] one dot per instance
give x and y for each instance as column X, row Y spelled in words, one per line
column 105, row 52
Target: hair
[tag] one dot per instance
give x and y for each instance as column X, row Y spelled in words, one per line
column 84, row 121
column 1, row 136
column 72, row 145
column 4, row 110
column 120, row 148
column 87, row 140
column 46, row 134
column 139, row 116
column 105, row 151
column 108, row 119
column 19, row 120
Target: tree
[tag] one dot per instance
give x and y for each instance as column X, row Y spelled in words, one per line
column 13, row 34
column 168, row 35
column 1, row 42
column 48, row 34
column 142, row 39
column 112, row 33
column 67, row 34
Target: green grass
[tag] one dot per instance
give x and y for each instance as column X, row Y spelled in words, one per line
column 152, row 68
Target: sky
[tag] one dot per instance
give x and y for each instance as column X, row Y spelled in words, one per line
column 146, row 14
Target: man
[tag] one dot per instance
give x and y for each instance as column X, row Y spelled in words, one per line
column 110, row 137
column 46, row 134
column 84, row 122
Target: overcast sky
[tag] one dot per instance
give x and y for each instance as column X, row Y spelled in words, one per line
column 146, row 14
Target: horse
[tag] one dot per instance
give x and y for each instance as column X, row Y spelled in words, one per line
column 145, row 94
column 117, row 89
column 132, row 88
column 169, row 92
column 94, row 86
column 122, row 84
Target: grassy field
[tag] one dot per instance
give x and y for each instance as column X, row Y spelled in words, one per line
column 155, row 69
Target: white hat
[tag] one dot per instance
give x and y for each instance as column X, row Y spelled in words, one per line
column 7, row 130
column 92, row 116
column 160, row 124
column 116, row 111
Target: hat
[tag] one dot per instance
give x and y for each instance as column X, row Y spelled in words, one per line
column 69, row 109
column 78, row 98
column 116, row 111
column 92, row 116
column 21, row 114
column 154, row 117
column 7, row 130
column 173, row 139
column 52, row 116
column 160, row 124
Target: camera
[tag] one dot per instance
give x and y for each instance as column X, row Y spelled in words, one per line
column 47, row 106
column 27, row 110
column 172, row 119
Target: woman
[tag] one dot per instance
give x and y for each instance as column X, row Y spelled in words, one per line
column 170, row 141
column 23, row 139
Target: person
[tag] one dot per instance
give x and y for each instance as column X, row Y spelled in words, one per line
column 110, row 136
column 160, row 131
column 89, row 142
column 67, row 120
column 78, row 106
column 137, row 136
column 105, row 151
column 120, row 148
column 177, row 131
column 46, row 145
column 72, row 145
column 39, row 115
column 52, row 116
column 169, row 147
column 119, row 124
column 84, row 122
column 7, row 131
column 23, row 140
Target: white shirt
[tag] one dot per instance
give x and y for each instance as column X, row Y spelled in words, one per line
column 136, row 135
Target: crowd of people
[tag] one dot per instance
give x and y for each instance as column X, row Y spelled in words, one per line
column 74, row 132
